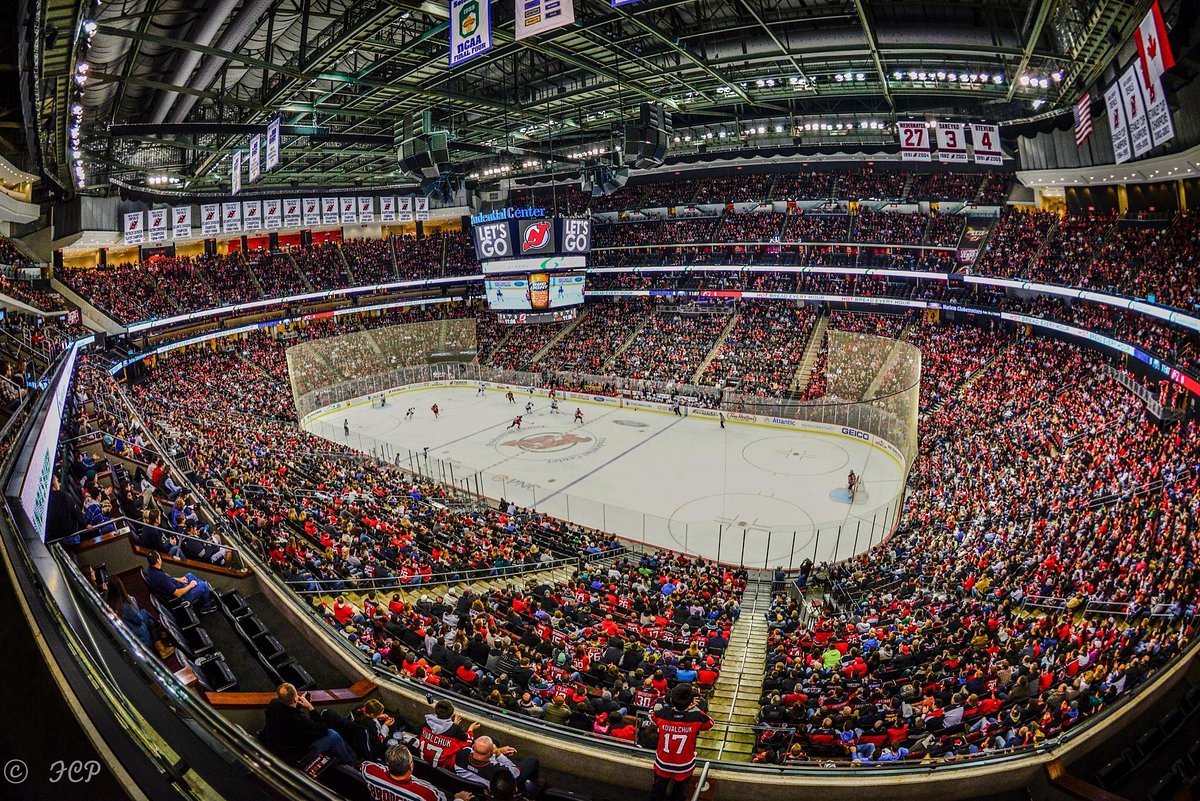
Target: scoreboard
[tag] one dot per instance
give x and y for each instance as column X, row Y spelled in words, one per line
column 513, row 245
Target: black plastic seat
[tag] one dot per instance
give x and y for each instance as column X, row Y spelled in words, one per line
column 294, row 673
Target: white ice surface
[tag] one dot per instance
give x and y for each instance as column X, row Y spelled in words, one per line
column 748, row 494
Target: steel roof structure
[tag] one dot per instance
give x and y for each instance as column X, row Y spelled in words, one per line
column 162, row 90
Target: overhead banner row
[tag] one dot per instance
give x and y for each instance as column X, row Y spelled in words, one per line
column 237, row 216
column 915, row 142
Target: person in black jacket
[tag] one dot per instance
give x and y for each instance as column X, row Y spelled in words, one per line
column 294, row 729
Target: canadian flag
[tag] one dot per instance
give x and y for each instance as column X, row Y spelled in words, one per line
column 1154, row 50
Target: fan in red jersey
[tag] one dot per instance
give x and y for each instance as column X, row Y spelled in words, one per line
column 394, row 780
column 443, row 736
column 675, row 757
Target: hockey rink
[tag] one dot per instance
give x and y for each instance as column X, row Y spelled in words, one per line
column 751, row 494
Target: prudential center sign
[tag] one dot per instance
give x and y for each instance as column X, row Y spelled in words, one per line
column 470, row 30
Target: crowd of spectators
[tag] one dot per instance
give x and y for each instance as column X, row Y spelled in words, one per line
column 323, row 265
column 945, row 229
column 817, row 228
column 1015, row 239
column 671, row 346
column 596, row 652
column 371, row 261
column 127, row 292
column 949, row 355
column 603, row 329
column 927, row 653
column 763, row 349
column 28, row 291
column 945, row 185
column 889, row 227
column 1069, row 251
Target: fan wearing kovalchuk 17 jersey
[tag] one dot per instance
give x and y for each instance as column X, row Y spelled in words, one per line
column 443, row 736
column 675, row 757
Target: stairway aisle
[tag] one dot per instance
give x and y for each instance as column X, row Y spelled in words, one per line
column 736, row 694
column 811, row 351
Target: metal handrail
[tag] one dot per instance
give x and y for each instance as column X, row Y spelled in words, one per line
column 134, row 522
column 232, row 739
column 454, row 577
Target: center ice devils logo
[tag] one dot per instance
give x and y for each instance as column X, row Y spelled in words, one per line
column 548, row 443
column 536, row 237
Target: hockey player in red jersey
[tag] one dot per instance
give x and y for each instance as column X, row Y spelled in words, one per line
column 679, row 724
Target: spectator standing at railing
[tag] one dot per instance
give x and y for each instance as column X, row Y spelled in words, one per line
column 679, row 725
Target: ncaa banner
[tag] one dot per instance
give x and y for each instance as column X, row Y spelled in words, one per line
column 422, row 208
column 348, row 210
column 255, row 162
column 986, row 139
column 252, row 215
column 291, row 212
column 235, row 173
column 470, row 29
column 135, row 228
column 158, row 225
column 366, row 209
column 406, row 210
column 951, row 143
column 312, row 211
column 387, row 209
column 181, row 222
column 271, row 214
column 329, row 211
column 1162, row 129
column 914, row 141
column 1135, row 111
column 210, row 219
column 272, row 144
column 1116, row 122
column 231, row 217
column 539, row 16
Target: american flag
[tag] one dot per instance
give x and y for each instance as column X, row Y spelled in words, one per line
column 1083, row 118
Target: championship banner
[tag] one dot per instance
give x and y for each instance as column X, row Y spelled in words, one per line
column 348, row 209
column 329, row 211
column 1135, row 111
column 272, row 144
column 1117, row 123
column 272, row 216
column 210, row 219
column 951, row 143
column 366, row 209
column 291, row 212
column 158, row 225
column 312, row 211
column 405, row 213
column 986, row 141
column 1158, row 114
column 387, row 209
column 539, row 16
column 470, row 29
column 914, row 141
column 181, row 222
column 255, row 162
column 422, row 207
column 235, row 173
column 135, row 228
column 231, row 217
column 252, row 215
